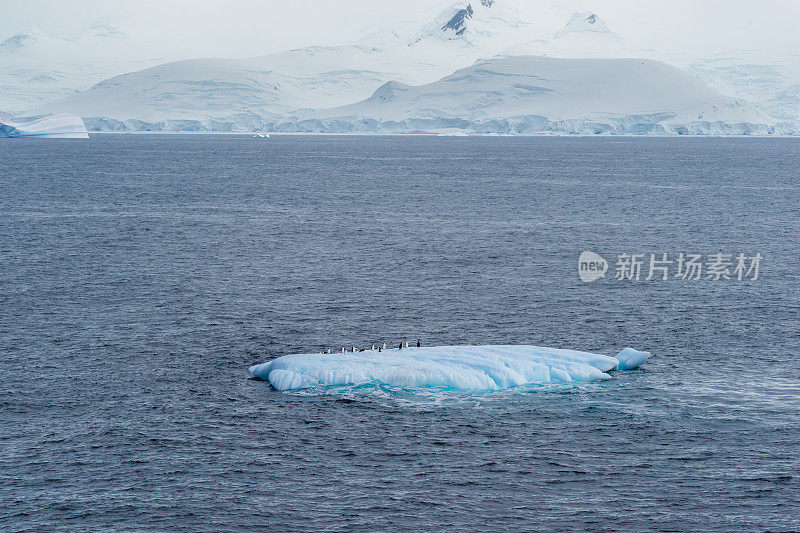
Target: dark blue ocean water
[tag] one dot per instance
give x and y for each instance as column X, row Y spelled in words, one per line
column 141, row 275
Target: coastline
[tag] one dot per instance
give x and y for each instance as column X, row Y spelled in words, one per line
column 439, row 135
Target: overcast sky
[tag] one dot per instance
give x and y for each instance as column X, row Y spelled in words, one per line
column 251, row 27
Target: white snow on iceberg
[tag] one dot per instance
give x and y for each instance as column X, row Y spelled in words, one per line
column 61, row 125
column 459, row 367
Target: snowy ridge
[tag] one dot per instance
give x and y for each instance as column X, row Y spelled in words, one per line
column 458, row 23
column 229, row 94
column 403, row 79
column 507, row 95
column 584, row 36
column 36, row 67
column 529, row 95
column 454, row 367
column 775, row 87
column 484, row 26
column 582, row 22
column 62, row 125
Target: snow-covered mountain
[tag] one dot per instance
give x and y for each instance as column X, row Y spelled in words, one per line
column 773, row 86
column 416, row 59
column 485, row 24
column 36, row 67
column 529, row 94
column 584, row 35
column 228, row 94
column 583, row 22
column 770, row 83
column 249, row 94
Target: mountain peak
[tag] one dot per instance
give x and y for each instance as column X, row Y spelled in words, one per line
column 458, row 23
column 584, row 21
column 15, row 42
column 22, row 40
column 473, row 22
column 104, row 30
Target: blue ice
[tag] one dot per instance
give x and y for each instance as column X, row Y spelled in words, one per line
column 460, row 367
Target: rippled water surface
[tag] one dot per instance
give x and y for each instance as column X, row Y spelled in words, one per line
column 141, row 275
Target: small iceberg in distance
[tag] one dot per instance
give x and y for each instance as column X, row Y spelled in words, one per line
column 480, row 368
column 58, row 126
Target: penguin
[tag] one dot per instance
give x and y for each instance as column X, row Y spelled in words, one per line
column 343, row 350
column 329, row 351
column 384, row 345
column 354, row 349
column 400, row 347
column 379, row 349
column 406, row 344
column 373, row 347
column 418, row 344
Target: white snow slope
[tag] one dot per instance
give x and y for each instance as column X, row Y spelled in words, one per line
column 62, row 125
column 36, row 67
column 509, row 95
column 528, row 95
column 454, row 367
column 228, row 94
column 296, row 90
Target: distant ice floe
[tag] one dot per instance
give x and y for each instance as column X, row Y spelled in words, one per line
column 458, row 367
column 61, row 125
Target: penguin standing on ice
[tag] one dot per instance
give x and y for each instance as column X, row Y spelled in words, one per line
column 400, row 347
column 406, row 344
column 418, row 344
column 384, row 345
column 343, row 349
column 373, row 347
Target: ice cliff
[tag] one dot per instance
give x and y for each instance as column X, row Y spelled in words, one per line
column 531, row 95
column 506, row 95
column 60, row 125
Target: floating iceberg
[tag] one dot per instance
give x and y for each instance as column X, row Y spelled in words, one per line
column 61, row 125
column 459, row 367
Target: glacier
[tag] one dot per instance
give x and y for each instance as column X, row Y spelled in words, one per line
column 516, row 95
column 61, row 125
column 480, row 368
column 534, row 95
column 404, row 78
column 228, row 94
column 37, row 67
